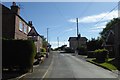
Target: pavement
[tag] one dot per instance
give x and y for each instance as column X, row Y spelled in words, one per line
column 38, row 70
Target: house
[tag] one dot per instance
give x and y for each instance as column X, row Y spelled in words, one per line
column 15, row 27
column 117, row 43
column 33, row 35
column 112, row 42
column 109, row 42
column 75, row 42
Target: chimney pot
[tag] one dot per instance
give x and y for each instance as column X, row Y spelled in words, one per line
column 30, row 23
column 15, row 8
column 14, row 4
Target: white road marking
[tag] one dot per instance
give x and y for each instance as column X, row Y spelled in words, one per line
column 47, row 70
column 62, row 54
column 22, row 76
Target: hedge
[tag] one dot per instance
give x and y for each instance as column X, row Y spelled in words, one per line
column 43, row 51
column 69, row 50
column 101, row 55
column 82, row 50
column 18, row 53
column 90, row 54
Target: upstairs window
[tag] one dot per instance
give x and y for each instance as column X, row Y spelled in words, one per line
column 29, row 28
column 20, row 25
column 25, row 29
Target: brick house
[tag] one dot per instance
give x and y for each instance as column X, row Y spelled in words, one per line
column 74, row 42
column 33, row 35
column 112, row 42
column 13, row 25
column 117, row 43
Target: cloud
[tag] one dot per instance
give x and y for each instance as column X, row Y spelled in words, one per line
column 95, row 30
column 98, row 27
column 97, row 17
column 71, row 29
column 102, row 23
column 55, row 43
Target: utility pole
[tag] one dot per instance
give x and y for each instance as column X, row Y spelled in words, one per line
column 77, row 34
column 47, row 34
column 77, row 27
column 58, row 41
column 47, row 40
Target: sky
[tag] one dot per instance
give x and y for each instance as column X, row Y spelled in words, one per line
column 60, row 18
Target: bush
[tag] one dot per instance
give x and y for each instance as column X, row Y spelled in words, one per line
column 18, row 54
column 69, row 50
column 90, row 54
column 101, row 55
column 82, row 50
column 43, row 51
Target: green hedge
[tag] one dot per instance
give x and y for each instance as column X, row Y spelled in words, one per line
column 82, row 50
column 91, row 54
column 101, row 55
column 69, row 50
column 18, row 53
column 43, row 51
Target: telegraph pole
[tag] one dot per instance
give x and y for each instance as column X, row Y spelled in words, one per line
column 77, row 35
column 77, row 27
column 47, row 34
column 58, row 41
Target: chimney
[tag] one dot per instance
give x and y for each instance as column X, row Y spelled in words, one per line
column 15, row 8
column 30, row 23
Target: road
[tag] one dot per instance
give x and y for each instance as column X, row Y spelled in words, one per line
column 68, row 66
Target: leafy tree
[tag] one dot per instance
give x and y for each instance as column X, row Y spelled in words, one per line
column 44, row 42
column 94, row 44
column 108, row 27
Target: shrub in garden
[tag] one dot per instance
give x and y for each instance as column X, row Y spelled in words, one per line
column 82, row 50
column 69, row 50
column 43, row 51
column 18, row 54
column 91, row 54
column 101, row 55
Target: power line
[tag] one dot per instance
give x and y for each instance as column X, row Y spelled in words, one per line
column 60, row 13
column 106, row 14
column 86, row 9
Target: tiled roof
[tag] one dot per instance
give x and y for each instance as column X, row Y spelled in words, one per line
column 33, row 32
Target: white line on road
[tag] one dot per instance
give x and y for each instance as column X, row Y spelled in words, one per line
column 47, row 69
column 62, row 54
column 21, row 76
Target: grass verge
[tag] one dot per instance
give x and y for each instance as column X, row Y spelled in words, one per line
column 105, row 65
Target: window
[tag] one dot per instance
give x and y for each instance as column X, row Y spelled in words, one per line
column 25, row 29
column 20, row 25
column 29, row 28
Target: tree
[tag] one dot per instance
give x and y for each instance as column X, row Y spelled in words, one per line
column 108, row 27
column 44, row 42
column 94, row 44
